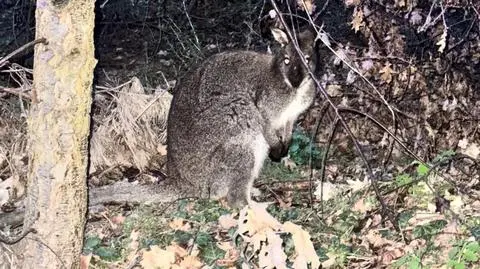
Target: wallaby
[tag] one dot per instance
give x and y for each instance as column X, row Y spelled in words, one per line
column 227, row 115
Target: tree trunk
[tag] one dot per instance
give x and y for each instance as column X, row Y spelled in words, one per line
column 58, row 134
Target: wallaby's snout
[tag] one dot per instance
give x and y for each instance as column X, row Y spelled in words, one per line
column 233, row 111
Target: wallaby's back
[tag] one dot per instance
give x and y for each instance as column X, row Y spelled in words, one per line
column 227, row 114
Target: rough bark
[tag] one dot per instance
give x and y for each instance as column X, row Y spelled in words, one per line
column 58, row 128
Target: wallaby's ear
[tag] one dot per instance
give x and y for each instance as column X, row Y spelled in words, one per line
column 280, row 36
column 308, row 36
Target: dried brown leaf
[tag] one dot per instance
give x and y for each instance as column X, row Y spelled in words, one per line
column 306, row 5
column 191, row 262
column 227, row 221
column 387, row 73
column 157, row 258
column 179, row 224
column 352, row 2
column 357, row 21
column 272, row 255
column 303, row 247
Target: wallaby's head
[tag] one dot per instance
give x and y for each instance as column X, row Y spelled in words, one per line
column 287, row 61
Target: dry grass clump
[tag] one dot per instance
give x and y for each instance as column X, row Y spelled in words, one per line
column 13, row 151
column 128, row 131
column 133, row 132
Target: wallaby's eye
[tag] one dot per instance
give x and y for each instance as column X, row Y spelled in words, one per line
column 307, row 58
column 286, row 60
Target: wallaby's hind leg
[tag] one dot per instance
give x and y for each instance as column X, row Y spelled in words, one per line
column 241, row 180
column 240, row 189
column 238, row 170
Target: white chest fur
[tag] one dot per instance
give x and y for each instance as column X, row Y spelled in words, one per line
column 302, row 100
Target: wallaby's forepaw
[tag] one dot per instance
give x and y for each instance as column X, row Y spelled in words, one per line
column 255, row 192
column 278, row 151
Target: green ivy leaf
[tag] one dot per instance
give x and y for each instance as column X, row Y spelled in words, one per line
column 422, row 170
column 91, row 243
column 203, row 239
column 182, row 237
column 294, row 147
column 106, row 253
column 470, row 256
column 403, row 179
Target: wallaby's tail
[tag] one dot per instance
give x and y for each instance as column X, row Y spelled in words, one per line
column 123, row 191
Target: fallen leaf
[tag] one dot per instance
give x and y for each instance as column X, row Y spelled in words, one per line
column 400, row 3
column 386, row 72
column 303, row 247
column 463, row 143
column 334, row 90
column 331, row 261
column 157, row 258
column 391, row 254
column 416, row 17
column 272, row 255
column 329, row 189
column 227, row 221
column 456, row 202
column 306, row 5
column 473, row 151
column 375, row 239
column 358, row 185
column 422, row 218
column 254, row 222
column 255, row 218
column 357, row 21
column 178, row 250
column 231, row 255
column 179, row 224
column 448, row 235
column 362, row 206
column 191, row 262
column 352, row 2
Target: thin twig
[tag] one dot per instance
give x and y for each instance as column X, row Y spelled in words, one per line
column 191, row 26
column 323, row 111
column 16, row 91
column 370, row 173
column 107, row 89
column 4, row 60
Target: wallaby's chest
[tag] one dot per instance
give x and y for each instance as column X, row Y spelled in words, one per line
column 299, row 103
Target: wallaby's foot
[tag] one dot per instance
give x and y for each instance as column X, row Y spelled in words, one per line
column 237, row 199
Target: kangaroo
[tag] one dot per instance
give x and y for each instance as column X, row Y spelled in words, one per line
column 228, row 115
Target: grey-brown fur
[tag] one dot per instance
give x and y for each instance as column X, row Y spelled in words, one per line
column 227, row 114
column 225, row 118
